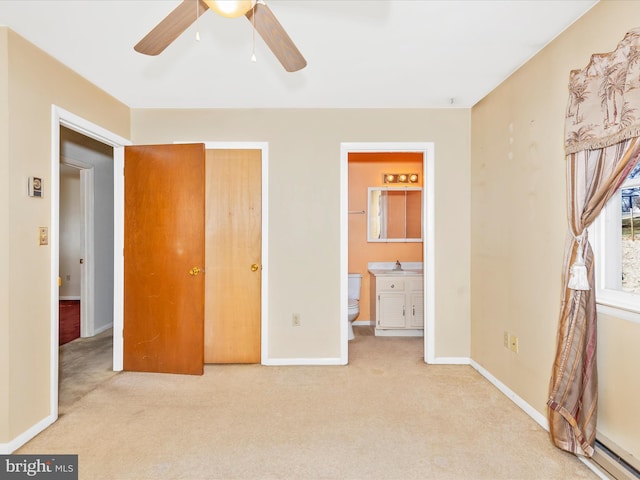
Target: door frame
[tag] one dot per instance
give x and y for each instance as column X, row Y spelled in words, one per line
column 61, row 117
column 87, row 270
column 264, row 241
column 428, row 221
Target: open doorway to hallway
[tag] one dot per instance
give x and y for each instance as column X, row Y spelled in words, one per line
column 86, row 246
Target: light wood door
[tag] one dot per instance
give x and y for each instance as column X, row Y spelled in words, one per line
column 163, row 241
column 233, row 256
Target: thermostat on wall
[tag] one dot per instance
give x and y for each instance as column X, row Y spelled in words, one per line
column 35, row 187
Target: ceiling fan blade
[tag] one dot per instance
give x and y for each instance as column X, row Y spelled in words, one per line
column 276, row 37
column 171, row 27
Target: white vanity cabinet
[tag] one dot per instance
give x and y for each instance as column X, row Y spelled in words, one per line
column 397, row 303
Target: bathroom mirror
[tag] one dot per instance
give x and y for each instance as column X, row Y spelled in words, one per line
column 395, row 214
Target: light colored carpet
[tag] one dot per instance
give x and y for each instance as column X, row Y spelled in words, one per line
column 83, row 364
column 386, row 415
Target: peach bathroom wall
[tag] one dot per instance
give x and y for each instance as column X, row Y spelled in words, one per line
column 365, row 170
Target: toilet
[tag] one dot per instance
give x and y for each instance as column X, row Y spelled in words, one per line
column 355, row 282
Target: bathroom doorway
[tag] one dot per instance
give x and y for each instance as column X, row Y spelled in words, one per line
column 416, row 155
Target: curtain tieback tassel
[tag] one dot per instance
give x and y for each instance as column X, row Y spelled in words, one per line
column 578, row 279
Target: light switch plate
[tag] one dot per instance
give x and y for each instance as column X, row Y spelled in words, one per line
column 43, row 233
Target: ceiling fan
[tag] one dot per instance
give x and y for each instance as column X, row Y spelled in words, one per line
column 256, row 11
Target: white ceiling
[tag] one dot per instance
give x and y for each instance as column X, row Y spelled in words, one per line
column 360, row 54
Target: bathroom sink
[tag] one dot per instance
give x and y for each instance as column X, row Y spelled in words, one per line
column 408, row 271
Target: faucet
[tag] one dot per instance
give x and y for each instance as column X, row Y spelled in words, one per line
column 398, row 266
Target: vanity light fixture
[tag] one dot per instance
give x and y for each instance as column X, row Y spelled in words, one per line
column 399, row 178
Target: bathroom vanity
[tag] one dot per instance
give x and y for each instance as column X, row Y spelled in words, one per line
column 397, row 300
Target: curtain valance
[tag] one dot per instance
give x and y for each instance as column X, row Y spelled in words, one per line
column 604, row 98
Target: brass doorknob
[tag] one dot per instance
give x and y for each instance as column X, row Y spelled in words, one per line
column 194, row 271
column 254, row 267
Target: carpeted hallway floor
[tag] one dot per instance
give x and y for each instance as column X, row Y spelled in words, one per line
column 84, row 364
column 386, row 415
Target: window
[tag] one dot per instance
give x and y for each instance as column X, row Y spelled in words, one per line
column 615, row 238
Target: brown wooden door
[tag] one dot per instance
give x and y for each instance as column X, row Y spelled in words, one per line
column 234, row 232
column 163, row 242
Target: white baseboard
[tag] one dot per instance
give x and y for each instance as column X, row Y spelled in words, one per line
column 539, row 418
column 383, row 332
column 24, row 437
column 363, row 323
column 70, row 297
column 451, row 361
column 103, row 328
column 528, row 409
column 302, row 361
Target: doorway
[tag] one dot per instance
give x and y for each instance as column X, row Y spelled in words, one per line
column 85, row 354
column 426, row 149
column 70, row 252
column 86, row 249
column 64, row 126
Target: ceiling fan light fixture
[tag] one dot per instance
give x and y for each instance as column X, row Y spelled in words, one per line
column 230, row 8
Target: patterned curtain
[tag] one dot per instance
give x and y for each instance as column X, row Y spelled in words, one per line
column 601, row 144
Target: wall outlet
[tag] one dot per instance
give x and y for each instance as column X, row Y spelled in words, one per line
column 513, row 345
column 506, row 340
column 296, row 320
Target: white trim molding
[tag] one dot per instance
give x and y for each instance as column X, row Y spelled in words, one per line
column 428, row 208
column 303, row 361
column 10, row 447
column 61, row 117
column 451, row 361
column 528, row 409
column 539, row 418
column 264, row 286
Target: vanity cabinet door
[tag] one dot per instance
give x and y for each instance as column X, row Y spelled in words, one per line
column 415, row 303
column 397, row 302
column 415, row 307
column 391, row 310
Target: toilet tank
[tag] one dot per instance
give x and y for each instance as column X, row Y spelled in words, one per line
column 355, row 282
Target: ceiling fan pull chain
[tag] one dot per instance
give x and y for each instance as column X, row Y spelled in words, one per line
column 197, row 15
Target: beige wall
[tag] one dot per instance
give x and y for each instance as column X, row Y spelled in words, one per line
column 518, row 225
column 304, row 208
column 35, row 82
column 4, row 240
